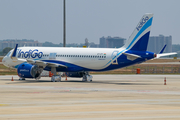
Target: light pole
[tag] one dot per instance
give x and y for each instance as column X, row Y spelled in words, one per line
column 64, row 25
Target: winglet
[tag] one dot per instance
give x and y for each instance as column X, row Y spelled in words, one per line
column 163, row 49
column 13, row 56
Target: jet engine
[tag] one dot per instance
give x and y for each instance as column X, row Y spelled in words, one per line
column 26, row 70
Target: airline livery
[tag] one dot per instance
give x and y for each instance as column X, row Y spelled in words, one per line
column 78, row 62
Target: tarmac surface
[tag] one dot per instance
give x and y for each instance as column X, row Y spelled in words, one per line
column 107, row 97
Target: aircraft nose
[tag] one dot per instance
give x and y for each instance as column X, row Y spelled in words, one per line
column 4, row 60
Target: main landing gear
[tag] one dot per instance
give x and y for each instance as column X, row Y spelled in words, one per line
column 55, row 77
column 87, row 77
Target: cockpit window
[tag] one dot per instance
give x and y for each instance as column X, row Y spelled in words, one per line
column 8, row 54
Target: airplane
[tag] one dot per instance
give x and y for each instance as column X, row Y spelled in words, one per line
column 78, row 62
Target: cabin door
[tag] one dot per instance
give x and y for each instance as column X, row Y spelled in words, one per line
column 52, row 56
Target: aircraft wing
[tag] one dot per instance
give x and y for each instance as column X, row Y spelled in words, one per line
column 131, row 56
column 44, row 64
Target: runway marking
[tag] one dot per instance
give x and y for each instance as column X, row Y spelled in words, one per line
column 3, row 104
column 107, row 102
column 81, row 89
column 102, row 112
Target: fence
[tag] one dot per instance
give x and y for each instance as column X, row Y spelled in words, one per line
column 157, row 69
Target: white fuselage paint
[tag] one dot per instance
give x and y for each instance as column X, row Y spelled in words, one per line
column 96, row 58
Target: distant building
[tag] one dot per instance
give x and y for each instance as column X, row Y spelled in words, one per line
column 111, row 42
column 93, row 45
column 86, row 42
column 24, row 42
column 156, row 43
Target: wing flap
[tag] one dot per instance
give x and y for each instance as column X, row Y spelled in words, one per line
column 55, row 65
column 41, row 63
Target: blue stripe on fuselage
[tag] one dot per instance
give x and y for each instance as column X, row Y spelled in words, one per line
column 122, row 60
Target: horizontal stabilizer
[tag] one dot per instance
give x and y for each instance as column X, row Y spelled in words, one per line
column 131, row 56
column 165, row 54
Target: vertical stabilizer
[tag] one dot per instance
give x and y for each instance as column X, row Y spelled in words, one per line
column 139, row 39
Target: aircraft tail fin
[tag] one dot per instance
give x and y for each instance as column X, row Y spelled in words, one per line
column 138, row 41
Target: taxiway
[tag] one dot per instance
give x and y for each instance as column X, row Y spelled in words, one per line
column 113, row 97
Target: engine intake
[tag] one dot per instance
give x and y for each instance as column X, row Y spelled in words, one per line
column 26, row 70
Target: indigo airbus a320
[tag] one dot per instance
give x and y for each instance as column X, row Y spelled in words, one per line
column 78, row 62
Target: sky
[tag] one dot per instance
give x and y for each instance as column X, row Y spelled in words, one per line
column 42, row 20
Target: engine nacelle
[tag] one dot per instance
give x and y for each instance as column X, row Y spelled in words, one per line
column 74, row 74
column 26, row 70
